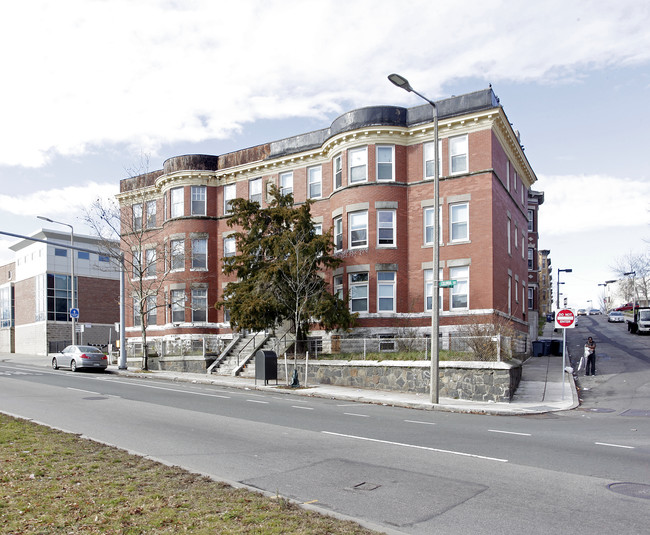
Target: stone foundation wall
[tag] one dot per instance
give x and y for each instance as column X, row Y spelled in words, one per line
column 474, row 381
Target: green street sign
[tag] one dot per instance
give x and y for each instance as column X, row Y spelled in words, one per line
column 447, row 284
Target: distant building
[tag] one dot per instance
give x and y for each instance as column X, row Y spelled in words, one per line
column 545, row 282
column 370, row 175
column 535, row 200
column 35, row 294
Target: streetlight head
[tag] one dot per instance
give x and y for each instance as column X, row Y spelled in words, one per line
column 610, row 282
column 400, row 81
column 45, row 218
column 630, row 273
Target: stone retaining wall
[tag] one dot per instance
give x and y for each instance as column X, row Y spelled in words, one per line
column 474, row 381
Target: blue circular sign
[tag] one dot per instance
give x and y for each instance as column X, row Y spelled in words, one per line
column 74, row 312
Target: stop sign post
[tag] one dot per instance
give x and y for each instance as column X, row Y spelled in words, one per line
column 565, row 319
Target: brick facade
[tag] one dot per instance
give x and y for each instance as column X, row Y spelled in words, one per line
column 484, row 183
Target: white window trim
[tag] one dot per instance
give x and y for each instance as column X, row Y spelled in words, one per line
column 229, row 194
column 429, row 285
column 426, row 211
column 386, row 283
column 255, row 184
column 203, row 309
column 452, row 155
column 339, row 159
column 181, row 242
column 179, row 204
column 201, row 194
column 365, row 284
column 318, row 180
column 455, row 290
column 351, row 229
column 286, row 190
column 351, row 152
column 339, row 220
column 452, row 208
column 392, row 163
column 192, row 267
column 393, row 227
column 425, row 149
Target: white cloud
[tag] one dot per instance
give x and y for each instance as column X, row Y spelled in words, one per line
column 66, row 203
column 577, row 203
column 91, row 72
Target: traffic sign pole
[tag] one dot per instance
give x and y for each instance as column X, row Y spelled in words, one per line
column 564, row 319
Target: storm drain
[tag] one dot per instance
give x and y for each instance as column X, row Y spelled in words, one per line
column 634, row 490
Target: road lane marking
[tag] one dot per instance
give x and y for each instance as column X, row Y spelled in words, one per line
column 130, row 383
column 257, row 401
column 510, row 433
column 303, row 408
column 614, row 445
column 427, row 448
column 418, row 422
column 359, row 415
column 84, row 391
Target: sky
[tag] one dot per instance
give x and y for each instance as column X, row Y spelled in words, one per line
column 91, row 86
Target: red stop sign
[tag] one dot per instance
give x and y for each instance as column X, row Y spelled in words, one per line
column 565, row 318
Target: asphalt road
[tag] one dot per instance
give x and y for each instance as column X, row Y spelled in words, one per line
column 398, row 470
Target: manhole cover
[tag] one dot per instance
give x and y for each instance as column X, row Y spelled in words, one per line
column 634, row 490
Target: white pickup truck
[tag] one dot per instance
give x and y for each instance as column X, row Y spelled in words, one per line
column 641, row 322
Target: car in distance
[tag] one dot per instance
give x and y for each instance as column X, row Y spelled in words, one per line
column 626, row 306
column 594, row 312
column 616, row 316
column 76, row 357
column 582, row 312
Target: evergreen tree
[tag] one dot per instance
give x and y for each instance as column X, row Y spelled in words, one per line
column 279, row 264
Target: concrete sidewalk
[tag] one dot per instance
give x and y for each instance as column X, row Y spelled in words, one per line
column 543, row 387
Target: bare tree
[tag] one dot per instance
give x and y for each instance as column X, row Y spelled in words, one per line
column 133, row 231
column 637, row 285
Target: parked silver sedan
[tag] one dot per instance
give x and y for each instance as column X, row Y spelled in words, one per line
column 76, row 357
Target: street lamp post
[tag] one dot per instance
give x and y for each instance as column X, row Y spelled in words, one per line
column 568, row 270
column 403, row 83
column 72, row 296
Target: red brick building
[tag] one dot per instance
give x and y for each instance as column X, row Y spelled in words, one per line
column 370, row 175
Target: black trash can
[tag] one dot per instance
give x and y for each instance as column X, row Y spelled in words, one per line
column 556, row 348
column 547, row 347
column 266, row 366
column 538, row 348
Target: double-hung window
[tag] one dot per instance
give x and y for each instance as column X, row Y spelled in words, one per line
column 229, row 195
column 358, row 224
column 460, row 292
column 200, row 253
column 315, row 178
column 430, row 157
column 151, row 309
column 151, row 214
column 229, row 246
column 137, row 217
column 359, row 292
column 385, row 162
column 385, row 228
column 338, row 286
column 137, row 312
column 459, row 222
column 177, row 202
column 358, row 162
column 150, row 263
column 428, row 225
column 199, row 197
column 531, row 216
column 338, row 233
column 286, row 183
column 337, row 168
column 177, row 298
column 255, row 190
column 531, row 256
column 177, row 254
column 458, row 154
column 199, row 305
column 386, row 291
column 428, row 289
